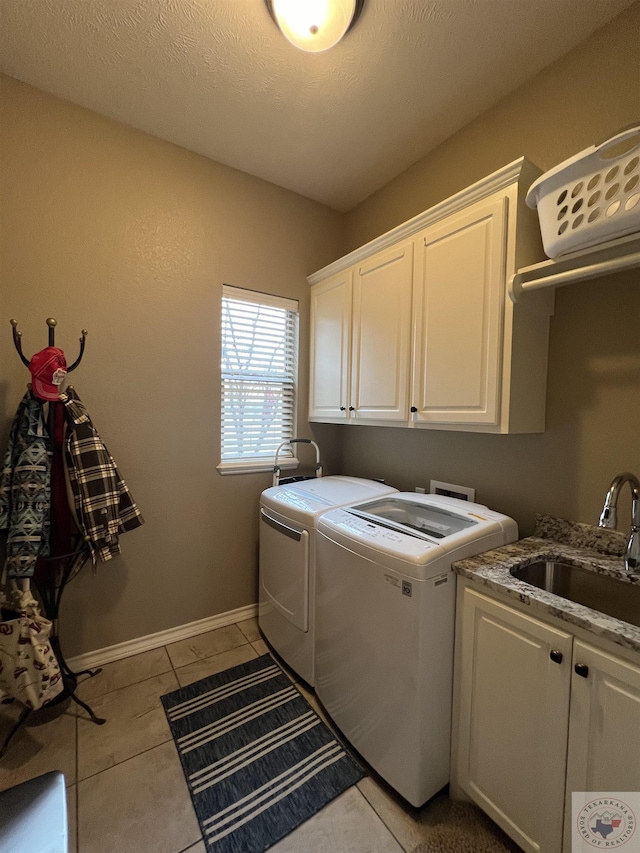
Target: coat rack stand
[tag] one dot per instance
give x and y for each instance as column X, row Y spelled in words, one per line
column 51, row 582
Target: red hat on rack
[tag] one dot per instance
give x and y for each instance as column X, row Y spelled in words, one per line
column 48, row 370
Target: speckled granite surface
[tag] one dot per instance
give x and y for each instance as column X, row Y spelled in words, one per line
column 597, row 550
column 580, row 535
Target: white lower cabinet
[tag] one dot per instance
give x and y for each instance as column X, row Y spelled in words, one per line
column 604, row 726
column 538, row 714
column 514, row 711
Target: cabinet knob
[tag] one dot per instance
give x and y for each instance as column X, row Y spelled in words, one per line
column 555, row 656
column 414, row 409
column 582, row 669
column 352, row 408
column 342, row 408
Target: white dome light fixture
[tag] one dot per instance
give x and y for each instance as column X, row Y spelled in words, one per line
column 314, row 25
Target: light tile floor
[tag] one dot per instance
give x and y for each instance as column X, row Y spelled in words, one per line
column 125, row 789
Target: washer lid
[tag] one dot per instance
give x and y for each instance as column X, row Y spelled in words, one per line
column 448, row 530
column 305, row 500
column 428, row 519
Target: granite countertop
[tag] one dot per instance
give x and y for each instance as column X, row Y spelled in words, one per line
column 591, row 547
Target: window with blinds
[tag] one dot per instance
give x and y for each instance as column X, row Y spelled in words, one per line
column 259, row 376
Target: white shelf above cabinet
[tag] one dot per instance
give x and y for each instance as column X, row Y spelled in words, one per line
column 614, row 256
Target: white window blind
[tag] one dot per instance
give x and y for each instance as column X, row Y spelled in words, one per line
column 259, row 376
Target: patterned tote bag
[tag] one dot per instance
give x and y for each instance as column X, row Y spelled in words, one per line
column 29, row 669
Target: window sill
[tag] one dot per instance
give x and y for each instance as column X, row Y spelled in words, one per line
column 255, row 466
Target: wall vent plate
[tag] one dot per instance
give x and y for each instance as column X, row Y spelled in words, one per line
column 451, row 490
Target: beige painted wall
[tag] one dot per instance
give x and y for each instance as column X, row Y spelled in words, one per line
column 593, row 401
column 106, row 228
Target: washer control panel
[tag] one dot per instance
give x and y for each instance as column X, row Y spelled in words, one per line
column 370, row 531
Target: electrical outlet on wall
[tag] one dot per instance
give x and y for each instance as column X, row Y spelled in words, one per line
column 420, row 490
column 450, row 490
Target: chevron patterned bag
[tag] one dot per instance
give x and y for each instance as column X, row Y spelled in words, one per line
column 29, row 669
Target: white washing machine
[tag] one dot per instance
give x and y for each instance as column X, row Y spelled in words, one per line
column 385, row 608
column 288, row 520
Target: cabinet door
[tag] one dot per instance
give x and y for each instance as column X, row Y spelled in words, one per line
column 514, row 709
column 330, row 339
column 382, row 289
column 459, row 300
column 604, row 730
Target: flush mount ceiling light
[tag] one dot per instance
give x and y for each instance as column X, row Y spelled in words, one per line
column 314, row 25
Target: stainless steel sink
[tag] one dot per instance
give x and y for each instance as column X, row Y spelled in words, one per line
column 600, row 592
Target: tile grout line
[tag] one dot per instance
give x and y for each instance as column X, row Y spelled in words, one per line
column 209, row 657
column 237, row 624
column 380, row 818
column 191, row 846
column 246, row 642
column 124, row 686
column 173, row 669
column 124, row 760
column 383, row 821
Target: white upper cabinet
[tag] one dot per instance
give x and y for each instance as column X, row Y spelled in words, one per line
column 330, row 343
column 381, row 335
column 458, row 312
column 435, row 341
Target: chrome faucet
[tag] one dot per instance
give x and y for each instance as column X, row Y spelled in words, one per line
column 609, row 517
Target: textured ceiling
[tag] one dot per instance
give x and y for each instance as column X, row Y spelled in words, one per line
column 216, row 77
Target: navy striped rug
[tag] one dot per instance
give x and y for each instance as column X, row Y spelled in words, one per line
column 257, row 759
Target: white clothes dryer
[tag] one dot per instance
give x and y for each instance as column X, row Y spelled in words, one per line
column 288, row 521
column 385, row 608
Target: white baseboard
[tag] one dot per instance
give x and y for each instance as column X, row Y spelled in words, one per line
column 99, row 657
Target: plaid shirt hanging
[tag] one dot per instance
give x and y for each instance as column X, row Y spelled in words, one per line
column 103, row 504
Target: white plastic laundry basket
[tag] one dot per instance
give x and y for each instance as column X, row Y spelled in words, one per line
column 590, row 198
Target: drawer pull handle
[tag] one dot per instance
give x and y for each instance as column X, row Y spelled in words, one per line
column 414, row 409
column 342, row 408
column 556, row 656
column 582, row 669
column 352, row 408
